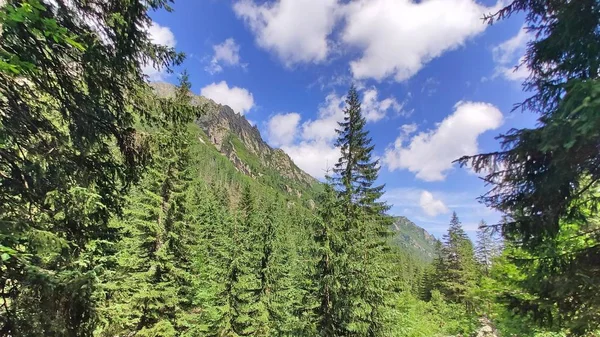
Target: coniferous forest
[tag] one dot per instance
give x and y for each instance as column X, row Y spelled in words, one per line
column 119, row 218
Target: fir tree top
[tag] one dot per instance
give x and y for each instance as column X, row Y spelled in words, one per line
column 355, row 172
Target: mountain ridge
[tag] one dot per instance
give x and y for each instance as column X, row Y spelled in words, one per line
column 414, row 239
column 239, row 141
column 243, row 146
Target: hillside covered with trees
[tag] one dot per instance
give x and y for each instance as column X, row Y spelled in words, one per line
column 137, row 209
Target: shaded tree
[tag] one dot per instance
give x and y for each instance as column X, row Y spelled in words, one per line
column 71, row 91
column 542, row 176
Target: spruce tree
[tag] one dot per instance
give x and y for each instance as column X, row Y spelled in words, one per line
column 250, row 316
column 156, row 281
column 457, row 269
column 363, row 271
column 433, row 276
column 328, row 227
column 212, row 311
column 71, row 94
column 542, row 177
column 283, row 289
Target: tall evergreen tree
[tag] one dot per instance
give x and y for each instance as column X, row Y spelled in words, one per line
column 250, row 316
column 433, row 276
column 154, row 258
column 541, row 176
column 213, row 260
column 328, row 237
column 362, row 267
column 71, row 92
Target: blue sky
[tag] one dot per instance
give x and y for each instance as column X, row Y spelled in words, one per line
column 436, row 83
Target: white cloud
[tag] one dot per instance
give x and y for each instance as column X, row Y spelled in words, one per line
column 162, row 36
column 506, row 51
column 295, row 30
column 430, row 205
column 282, row 128
column 323, row 128
column 238, row 99
column 397, row 37
column 226, row 53
column 422, row 207
column 311, row 146
column 374, row 110
column 314, row 157
column 408, row 129
column 509, row 54
column 430, row 154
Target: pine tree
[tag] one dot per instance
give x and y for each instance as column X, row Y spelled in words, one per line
column 71, row 94
column 154, row 261
column 212, row 313
column 283, row 289
column 457, row 269
column 250, row 316
column 432, row 278
column 542, row 176
column 328, row 238
column 359, row 305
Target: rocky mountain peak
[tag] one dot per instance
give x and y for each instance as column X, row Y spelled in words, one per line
column 241, row 142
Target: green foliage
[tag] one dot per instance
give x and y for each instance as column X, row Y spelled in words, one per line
column 120, row 218
column 69, row 97
column 456, row 271
column 414, row 239
column 437, row 317
column 545, row 178
column 354, row 264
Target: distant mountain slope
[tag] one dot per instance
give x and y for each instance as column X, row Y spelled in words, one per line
column 414, row 239
column 233, row 151
column 234, row 137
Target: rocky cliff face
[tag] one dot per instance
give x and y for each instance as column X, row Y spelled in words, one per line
column 238, row 140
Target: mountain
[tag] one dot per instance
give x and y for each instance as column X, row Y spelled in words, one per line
column 414, row 239
column 233, row 150
column 241, row 143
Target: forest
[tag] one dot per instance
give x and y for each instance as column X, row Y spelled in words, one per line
column 117, row 218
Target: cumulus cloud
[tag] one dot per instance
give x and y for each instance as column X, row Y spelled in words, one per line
column 430, row 205
column 397, row 37
column 226, row 53
column 163, row 36
column 310, row 144
column 314, row 157
column 374, row 110
column 509, row 54
column 238, row 99
column 422, row 206
column 282, row 128
column 323, row 127
column 422, row 202
column 314, row 152
column 295, row 30
column 429, row 154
